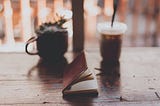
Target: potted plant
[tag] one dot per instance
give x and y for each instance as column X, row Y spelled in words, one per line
column 51, row 40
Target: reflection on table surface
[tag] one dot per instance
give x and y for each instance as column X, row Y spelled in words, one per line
column 134, row 80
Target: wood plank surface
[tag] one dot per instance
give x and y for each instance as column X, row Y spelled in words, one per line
column 135, row 80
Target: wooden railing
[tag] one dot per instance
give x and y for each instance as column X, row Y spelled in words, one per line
column 141, row 16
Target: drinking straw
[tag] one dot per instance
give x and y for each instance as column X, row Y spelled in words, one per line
column 115, row 5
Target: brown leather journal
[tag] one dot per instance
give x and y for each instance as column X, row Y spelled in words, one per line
column 78, row 79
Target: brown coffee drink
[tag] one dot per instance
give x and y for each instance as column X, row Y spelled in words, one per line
column 111, row 40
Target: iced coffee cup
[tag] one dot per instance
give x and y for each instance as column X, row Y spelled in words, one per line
column 111, row 40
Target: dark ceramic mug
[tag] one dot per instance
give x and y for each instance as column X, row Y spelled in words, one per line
column 51, row 46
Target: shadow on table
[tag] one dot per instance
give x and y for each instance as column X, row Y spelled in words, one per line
column 109, row 81
column 51, row 76
column 80, row 99
column 46, row 70
column 110, row 74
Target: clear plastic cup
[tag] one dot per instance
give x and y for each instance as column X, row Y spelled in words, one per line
column 111, row 40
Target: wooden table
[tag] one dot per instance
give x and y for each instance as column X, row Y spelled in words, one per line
column 24, row 80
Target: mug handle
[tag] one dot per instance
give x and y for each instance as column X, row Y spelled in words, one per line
column 31, row 40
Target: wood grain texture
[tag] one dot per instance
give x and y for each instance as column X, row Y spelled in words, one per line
column 135, row 80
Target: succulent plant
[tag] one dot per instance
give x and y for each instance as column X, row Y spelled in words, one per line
column 52, row 40
column 52, row 27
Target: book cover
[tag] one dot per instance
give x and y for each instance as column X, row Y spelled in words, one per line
column 78, row 79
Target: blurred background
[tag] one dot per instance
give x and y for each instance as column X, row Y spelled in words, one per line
column 20, row 18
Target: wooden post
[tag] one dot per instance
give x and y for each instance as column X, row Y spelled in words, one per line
column 78, row 25
column 122, row 10
column 137, row 7
column 26, row 19
column 41, row 8
column 108, row 9
column 156, row 13
column 8, row 13
column 58, row 5
column 148, row 22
